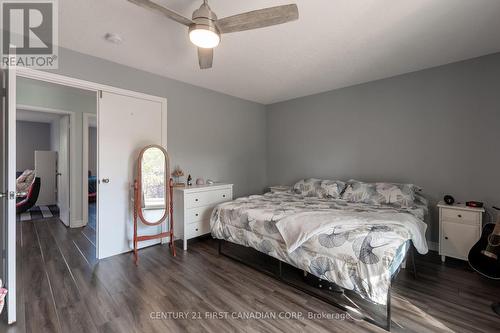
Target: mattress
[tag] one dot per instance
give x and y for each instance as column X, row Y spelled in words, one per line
column 361, row 258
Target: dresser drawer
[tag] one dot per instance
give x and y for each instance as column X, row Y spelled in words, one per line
column 198, row 214
column 197, row 229
column 453, row 215
column 207, row 198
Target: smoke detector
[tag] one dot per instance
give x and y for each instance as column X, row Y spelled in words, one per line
column 113, row 38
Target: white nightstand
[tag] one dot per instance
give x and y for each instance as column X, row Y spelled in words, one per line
column 193, row 207
column 279, row 188
column 459, row 229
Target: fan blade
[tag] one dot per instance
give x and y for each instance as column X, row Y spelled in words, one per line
column 205, row 57
column 258, row 18
column 165, row 11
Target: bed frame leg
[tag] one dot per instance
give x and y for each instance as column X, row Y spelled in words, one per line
column 388, row 305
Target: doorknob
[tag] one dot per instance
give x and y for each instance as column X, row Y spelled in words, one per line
column 11, row 195
column 105, row 180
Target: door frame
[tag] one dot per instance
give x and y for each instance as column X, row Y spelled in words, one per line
column 68, row 81
column 72, row 148
column 85, row 164
column 11, row 239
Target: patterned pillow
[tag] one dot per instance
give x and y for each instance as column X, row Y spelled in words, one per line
column 307, row 187
column 331, row 189
column 360, row 192
column 380, row 193
column 314, row 187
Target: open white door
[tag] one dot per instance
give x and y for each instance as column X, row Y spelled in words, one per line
column 46, row 169
column 8, row 188
column 63, row 176
column 89, row 159
column 125, row 125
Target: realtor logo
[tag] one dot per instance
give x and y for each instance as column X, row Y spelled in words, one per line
column 29, row 33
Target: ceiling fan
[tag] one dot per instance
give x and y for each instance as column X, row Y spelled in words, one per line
column 205, row 28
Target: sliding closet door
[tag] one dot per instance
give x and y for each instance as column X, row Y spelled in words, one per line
column 126, row 124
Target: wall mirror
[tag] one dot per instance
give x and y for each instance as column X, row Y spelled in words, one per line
column 152, row 201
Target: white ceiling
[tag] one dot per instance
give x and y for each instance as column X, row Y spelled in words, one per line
column 335, row 43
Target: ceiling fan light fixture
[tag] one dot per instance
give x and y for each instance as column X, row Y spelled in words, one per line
column 204, row 36
column 205, row 28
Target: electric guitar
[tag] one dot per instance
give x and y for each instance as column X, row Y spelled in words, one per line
column 484, row 257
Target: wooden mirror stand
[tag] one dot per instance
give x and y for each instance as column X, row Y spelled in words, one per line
column 140, row 195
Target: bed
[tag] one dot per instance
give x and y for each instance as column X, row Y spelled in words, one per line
column 355, row 245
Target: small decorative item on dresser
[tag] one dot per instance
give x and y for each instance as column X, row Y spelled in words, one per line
column 177, row 174
column 189, row 181
column 459, row 229
column 200, row 181
column 448, row 199
column 476, row 204
column 279, row 188
column 210, row 182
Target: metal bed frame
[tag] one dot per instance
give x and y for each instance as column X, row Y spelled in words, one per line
column 385, row 325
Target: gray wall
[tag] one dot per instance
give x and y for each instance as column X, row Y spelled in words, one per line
column 210, row 135
column 31, row 136
column 438, row 128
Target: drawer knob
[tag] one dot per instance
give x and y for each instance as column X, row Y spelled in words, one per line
column 223, row 195
column 196, row 214
column 196, row 229
column 195, row 199
column 446, row 237
column 460, row 215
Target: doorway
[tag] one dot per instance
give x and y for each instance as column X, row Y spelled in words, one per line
column 41, row 96
column 89, row 167
column 43, row 164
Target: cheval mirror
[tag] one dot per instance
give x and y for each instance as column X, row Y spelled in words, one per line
column 153, row 195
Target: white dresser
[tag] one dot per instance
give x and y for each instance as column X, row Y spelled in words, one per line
column 193, row 206
column 459, row 229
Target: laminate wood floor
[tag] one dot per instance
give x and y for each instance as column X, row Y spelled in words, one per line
column 63, row 288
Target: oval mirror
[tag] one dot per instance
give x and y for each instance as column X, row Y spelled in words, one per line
column 153, row 184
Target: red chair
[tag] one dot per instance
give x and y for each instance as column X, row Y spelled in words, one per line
column 25, row 203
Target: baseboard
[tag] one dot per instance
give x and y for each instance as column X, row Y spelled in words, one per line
column 77, row 224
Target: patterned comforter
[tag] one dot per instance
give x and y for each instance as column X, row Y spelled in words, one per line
column 356, row 256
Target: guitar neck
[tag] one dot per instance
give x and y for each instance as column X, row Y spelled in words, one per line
column 496, row 231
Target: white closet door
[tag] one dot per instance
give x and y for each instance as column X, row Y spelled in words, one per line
column 126, row 124
column 46, row 169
